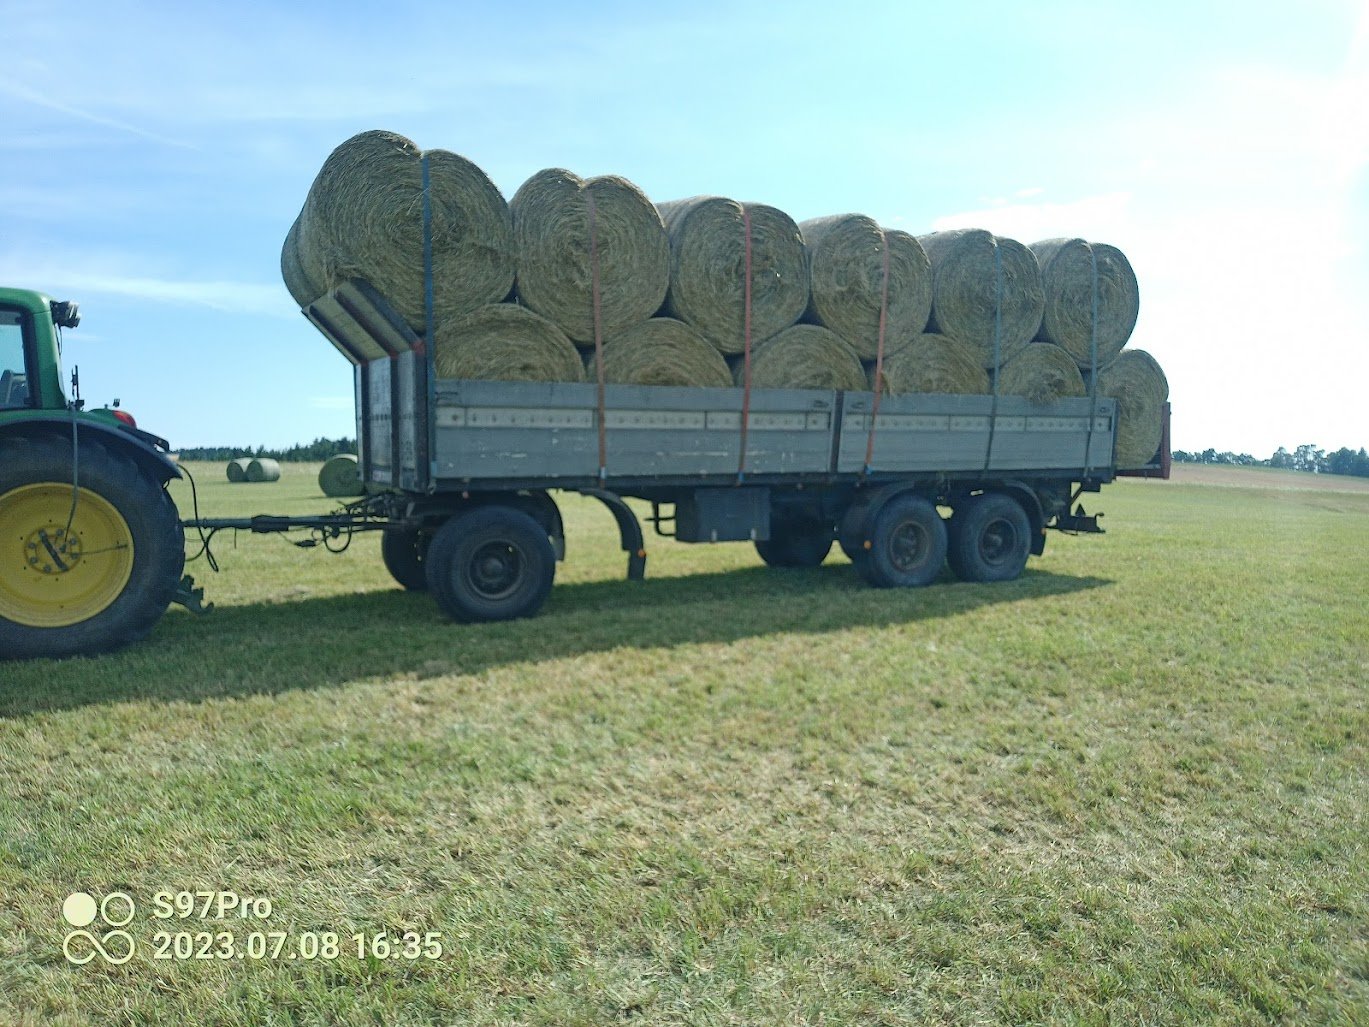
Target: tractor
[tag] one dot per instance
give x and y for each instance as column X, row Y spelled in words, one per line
column 91, row 544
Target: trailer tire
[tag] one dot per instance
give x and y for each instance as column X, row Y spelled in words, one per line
column 990, row 538
column 404, row 553
column 110, row 584
column 796, row 544
column 907, row 544
column 492, row 563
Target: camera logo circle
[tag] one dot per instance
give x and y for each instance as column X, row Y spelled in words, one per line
column 115, row 910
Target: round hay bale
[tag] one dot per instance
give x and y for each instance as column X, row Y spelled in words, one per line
column 1067, row 279
column 363, row 218
column 302, row 288
column 1139, row 385
column 551, row 230
column 237, row 469
column 964, row 292
column 661, row 351
column 341, row 476
column 935, row 364
column 1042, row 373
column 708, row 269
column 803, row 357
column 846, row 274
column 506, row 342
column 263, row 469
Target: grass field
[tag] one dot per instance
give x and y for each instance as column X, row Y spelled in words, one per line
column 1127, row 788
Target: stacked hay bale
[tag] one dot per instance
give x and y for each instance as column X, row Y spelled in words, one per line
column 672, row 294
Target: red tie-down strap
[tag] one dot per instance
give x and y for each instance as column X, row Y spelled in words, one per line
column 879, row 353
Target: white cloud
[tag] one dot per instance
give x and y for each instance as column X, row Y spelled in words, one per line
column 227, row 296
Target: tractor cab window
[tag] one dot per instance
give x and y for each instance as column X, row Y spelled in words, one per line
column 14, row 388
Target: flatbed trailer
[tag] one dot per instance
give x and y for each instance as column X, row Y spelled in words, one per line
column 459, row 473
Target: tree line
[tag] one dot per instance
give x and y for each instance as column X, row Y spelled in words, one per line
column 319, row 449
column 1306, row 457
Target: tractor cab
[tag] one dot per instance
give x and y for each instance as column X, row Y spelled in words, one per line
column 31, row 348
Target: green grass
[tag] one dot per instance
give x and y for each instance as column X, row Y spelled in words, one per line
column 1128, row 788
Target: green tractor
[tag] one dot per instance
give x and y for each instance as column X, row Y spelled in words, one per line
column 91, row 543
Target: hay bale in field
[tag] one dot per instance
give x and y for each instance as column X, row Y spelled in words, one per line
column 846, row 264
column 661, row 351
column 341, row 476
column 934, row 363
column 1042, row 373
column 803, row 357
column 263, row 469
column 1067, row 280
column 506, row 342
column 708, row 237
column 237, row 469
column 363, row 218
column 551, row 231
column 964, row 290
column 1139, row 385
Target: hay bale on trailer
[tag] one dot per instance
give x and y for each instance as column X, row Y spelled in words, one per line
column 803, row 357
column 1067, row 268
column 936, row 364
column 263, row 469
column 557, row 250
column 237, row 469
column 708, row 265
column 965, row 297
column 505, row 342
column 340, row 476
column 1136, row 380
column 661, row 351
column 363, row 218
column 1042, row 373
column 846, row 266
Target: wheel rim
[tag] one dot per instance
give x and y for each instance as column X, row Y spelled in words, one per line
column 495, row 570
column 52, row 577
column 998, row 541
column 907, row 546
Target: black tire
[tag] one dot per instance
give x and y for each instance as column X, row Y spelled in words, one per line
column 796, row 544
column 154, row 530
column 907, row 545
column 489, row 564
column 990, row 538
column 404, row 553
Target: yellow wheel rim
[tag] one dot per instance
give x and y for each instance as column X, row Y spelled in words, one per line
column 52, row 577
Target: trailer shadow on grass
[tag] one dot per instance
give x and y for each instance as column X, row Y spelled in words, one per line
column 267, row 648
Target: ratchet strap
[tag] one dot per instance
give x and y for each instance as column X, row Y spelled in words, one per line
column 879, row 354
column 746, row 344
column 997, row 344
column 601, row 419
column 1093, row 364
column 428, row 326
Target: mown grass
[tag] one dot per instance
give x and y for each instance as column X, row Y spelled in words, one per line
column 1128, row 788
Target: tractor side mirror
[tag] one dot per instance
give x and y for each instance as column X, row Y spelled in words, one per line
column 65, row 313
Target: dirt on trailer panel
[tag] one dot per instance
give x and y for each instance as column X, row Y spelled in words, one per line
column 1264, row 478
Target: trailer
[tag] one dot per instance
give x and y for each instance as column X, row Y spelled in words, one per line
column 460, row 474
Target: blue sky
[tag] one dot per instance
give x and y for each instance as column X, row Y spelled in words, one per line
column 154, row 156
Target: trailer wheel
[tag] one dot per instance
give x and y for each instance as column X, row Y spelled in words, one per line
column 491, row 563
column 796, row 544
column 907, row 545
column 990, row 538
column 404, row 553
column 86, row 580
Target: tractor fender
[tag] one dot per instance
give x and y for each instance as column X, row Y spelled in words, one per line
column 136, row 444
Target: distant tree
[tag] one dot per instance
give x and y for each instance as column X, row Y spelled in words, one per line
column 1281, row 459
column 318, row 450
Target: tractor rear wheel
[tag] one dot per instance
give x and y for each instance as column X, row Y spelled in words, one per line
column 85, row 569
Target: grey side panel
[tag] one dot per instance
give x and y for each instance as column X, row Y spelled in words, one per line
column 942, row 433
column 522, row 430
column 410, row 422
